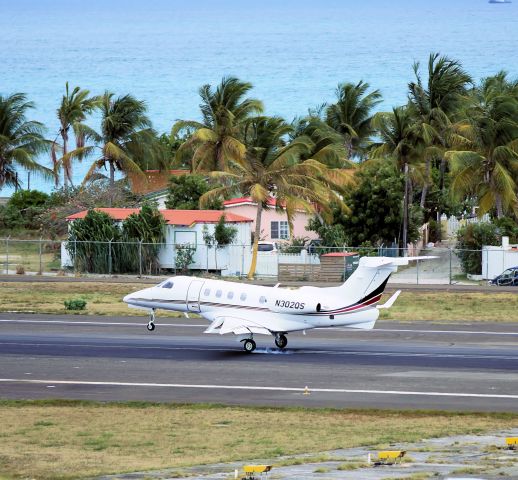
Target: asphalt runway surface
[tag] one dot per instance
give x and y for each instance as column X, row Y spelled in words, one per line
column 468, row 367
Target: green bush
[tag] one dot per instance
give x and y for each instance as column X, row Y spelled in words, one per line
column 470, row 240
column 76, row 304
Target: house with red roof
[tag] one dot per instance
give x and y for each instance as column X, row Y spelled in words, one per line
column 274, row 222
column 186, row 227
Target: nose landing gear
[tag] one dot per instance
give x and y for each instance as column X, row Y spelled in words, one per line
column 249, row 345
column 151, row 324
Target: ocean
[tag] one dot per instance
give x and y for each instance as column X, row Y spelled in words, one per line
column 294, row 52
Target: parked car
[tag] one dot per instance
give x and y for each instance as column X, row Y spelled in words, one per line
column 314, row 246
column 267, row 248
column 508, row 278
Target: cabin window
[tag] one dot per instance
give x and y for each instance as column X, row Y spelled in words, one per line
column 243, row 297
column 230, row 295
column 219, row 293
column 206, row 292
column 262, row 300
column 279, row 230
column 168, row 285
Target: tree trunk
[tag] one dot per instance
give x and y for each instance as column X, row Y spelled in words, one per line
column 65, row 165
column 253, row 265
column 499, row 207
column 112, row 182
column 112, row 174
column 405, row 212
column 442, row 171
column 425, row 186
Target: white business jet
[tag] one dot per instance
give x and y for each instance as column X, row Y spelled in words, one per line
column 247, row 310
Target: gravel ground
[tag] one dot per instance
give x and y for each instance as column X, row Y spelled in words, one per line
column 473, row 456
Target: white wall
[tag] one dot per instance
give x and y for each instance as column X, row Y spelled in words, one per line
column 497, row 259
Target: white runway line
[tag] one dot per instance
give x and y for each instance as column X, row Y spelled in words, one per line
column 204, row 325
column 297, row 352
column 257, row 388
column 124, row 324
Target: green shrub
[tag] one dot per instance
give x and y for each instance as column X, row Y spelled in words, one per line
column 75, row 304
column 470, row 240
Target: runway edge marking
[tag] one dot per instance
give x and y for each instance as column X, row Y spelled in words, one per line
column 257, row 388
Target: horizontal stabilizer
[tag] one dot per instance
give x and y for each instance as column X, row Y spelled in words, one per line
column 390, row 301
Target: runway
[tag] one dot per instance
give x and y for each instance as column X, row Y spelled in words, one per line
column 418, row 366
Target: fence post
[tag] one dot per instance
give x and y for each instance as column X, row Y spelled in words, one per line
column 174, row 256
column 41, row 251
column 7, row 255
column 110, row 257
column 451, row 253
column 75, row 256
column 140, row 258
column 243, row 260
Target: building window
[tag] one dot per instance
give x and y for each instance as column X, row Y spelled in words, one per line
column 280, row 230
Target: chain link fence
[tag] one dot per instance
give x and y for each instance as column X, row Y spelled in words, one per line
column 314, row 264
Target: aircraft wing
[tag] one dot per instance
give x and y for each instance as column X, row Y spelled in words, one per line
column 263, row 324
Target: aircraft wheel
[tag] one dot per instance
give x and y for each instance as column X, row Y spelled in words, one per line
column 249, row 345
column 281, row 341
column 150, row 326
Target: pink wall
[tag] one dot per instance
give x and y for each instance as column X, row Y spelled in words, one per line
column 269, row 215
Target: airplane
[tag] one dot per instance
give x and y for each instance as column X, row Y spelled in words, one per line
column 247, row 310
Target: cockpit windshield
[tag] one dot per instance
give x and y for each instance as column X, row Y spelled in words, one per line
column 167, row 285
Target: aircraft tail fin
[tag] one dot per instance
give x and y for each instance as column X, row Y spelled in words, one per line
column 369, row 280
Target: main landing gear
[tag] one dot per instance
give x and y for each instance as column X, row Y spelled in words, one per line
column 151, row 324
column 281, row 341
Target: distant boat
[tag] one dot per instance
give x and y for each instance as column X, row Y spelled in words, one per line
column 500, row 1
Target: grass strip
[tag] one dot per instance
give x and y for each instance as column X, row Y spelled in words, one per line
column 77, row 439
column 106, row 299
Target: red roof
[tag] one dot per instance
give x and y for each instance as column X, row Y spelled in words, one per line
column 340, row 254
column 172, row 217
column 237, row 201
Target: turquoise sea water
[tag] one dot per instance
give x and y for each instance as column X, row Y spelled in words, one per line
column 294, row 52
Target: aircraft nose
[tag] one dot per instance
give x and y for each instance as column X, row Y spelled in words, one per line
column 127, row 298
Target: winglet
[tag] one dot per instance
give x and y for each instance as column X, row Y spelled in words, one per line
column 390, row 301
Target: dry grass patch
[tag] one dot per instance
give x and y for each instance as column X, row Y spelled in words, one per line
column 105, row 298
column 452, row 307
column 62, row 440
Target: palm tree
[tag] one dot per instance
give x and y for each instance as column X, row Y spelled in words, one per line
column 274, row 168
column 351, row 116
column 125, row 139
column 324, row 143
column 216, row 141
column 435, row 106
column 399, row 139
column 72, row 112
column 21, row 140
column 487, row 166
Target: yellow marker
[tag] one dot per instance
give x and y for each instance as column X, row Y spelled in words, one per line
column 391, row 456
column 257, row 468
column 512, row 442
column 251, row 470
column 306, row 390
